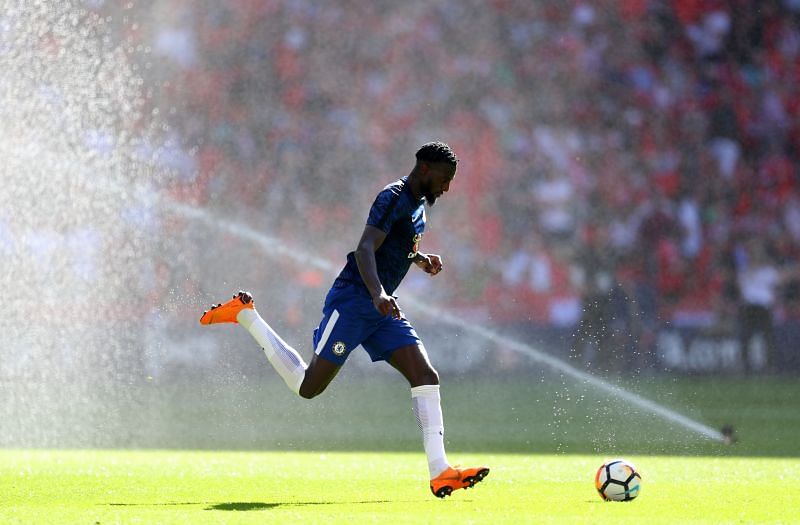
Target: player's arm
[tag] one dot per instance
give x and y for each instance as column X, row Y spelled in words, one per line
column 371, row 240
column 429, row 262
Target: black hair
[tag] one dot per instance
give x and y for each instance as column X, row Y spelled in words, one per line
column 437, row 152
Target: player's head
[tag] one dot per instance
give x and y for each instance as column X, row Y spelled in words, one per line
column 436, row 165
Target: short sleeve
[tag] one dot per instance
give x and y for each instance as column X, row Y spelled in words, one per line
column 384, row 210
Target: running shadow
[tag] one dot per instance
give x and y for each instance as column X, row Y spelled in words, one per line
column 260, row 505
column 244, row 505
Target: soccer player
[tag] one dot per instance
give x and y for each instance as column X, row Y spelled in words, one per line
column 361, row 310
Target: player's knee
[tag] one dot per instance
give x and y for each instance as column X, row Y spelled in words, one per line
column 308, row 393
column 429, row 376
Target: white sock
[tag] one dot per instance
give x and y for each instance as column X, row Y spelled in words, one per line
column 428, row 410
column 283, row 358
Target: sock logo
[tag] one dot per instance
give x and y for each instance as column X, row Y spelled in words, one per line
column 338, row 348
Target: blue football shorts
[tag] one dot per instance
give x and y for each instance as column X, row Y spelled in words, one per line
column 350, row 319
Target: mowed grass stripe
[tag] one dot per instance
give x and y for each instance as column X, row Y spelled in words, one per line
column 117, row 486
column 520, row 414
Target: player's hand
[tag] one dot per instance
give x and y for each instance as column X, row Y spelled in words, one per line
column 387, row 305
column 430, row 263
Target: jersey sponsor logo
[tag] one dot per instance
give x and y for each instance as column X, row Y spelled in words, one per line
column 338, row 348
column 415, row 248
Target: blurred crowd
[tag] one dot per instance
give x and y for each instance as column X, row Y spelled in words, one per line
column 625, row 164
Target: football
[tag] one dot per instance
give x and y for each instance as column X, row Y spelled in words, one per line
column 618, row 480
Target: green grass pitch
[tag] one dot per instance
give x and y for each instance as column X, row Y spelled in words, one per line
column 49, row 486
column 248, row 451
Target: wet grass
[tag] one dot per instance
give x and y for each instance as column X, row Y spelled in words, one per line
column 125, row 486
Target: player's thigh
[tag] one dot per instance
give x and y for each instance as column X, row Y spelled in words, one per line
column 318, row 376
column 387, row 335
column 347, row 320
column 412, row 361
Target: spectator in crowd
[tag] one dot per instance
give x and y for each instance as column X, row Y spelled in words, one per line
column 673, row 122
column 594, row 342
column 758, row 277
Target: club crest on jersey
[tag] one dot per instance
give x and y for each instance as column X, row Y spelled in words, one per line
column 338, row 348
column 415, row 248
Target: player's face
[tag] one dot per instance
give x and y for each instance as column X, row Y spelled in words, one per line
column 440, row 175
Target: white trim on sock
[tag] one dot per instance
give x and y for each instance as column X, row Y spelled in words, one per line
column 422, row 390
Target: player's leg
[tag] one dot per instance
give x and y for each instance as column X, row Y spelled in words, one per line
column 761, row 317
column 318, row 376
column 336, row 335
column 283, row 358
column 412, row 361
column 339, row 332
column 746, row 334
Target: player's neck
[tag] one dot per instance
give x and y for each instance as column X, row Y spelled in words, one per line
column 415, row 185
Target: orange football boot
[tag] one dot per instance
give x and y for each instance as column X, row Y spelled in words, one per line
column 226, row 313
column 455, row 478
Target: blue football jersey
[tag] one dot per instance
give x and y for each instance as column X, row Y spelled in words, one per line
column 402, row 217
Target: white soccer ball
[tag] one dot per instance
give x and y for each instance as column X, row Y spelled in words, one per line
column 618, row 480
